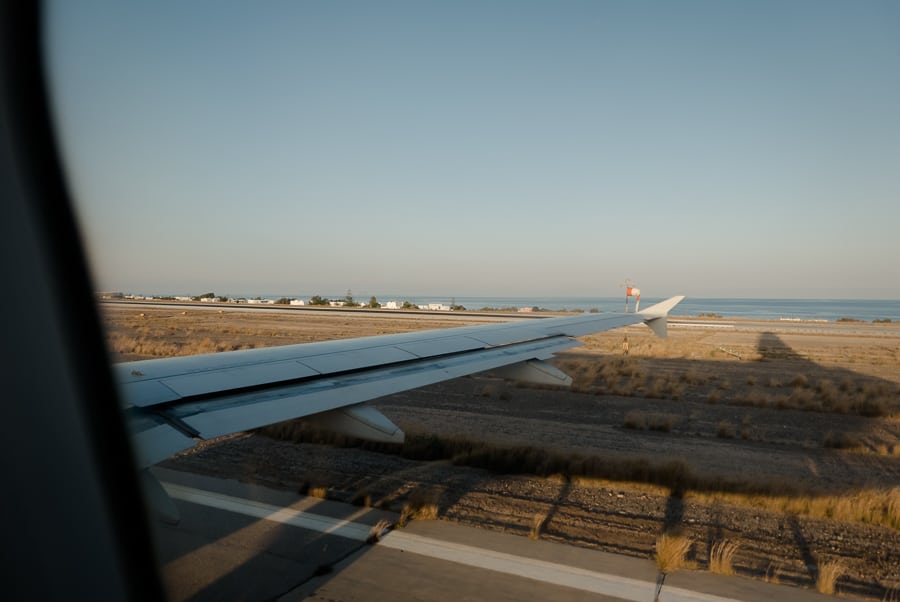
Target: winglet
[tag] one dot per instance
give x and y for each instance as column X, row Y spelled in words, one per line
column 655, row 316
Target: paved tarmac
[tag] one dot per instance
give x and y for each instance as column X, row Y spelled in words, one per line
column 239, row 541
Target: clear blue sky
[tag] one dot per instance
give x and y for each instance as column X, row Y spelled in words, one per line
column 714, row 149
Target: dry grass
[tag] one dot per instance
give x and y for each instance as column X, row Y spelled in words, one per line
column 671, row 552
column 800, row 380
column 537, row 525
column 844, row 440
column 875, row 506
column 319, row 492
column 773, row 573
column 884, row 449
column 721, row 557
column 421, row 505
column 869, row 506
column 753, row 385
column 872, row 506
column 362, row 498
column 315, row 486
column 755, row 398
column 827, row 574
column 635, row 419
column 725, row 430
column 693, row 377
column 377, row 531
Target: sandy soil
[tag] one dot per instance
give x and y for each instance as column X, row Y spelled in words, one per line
column 731, row 399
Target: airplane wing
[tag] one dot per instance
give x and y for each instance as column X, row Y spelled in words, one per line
column 173, row 403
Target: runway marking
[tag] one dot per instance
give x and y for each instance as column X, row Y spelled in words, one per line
column 521, row 566
column 289, row 516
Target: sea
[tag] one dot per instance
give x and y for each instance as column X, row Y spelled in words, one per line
column 830, row 310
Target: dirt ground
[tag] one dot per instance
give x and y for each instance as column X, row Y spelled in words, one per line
column 814, row 408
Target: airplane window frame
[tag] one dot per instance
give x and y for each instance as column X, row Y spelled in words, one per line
column 78, row 519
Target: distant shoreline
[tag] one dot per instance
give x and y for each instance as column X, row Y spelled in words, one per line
column 489, row 312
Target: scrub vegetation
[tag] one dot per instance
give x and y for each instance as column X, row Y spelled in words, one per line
column 871, row 505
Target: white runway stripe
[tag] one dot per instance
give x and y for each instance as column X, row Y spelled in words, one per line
column 288, row 516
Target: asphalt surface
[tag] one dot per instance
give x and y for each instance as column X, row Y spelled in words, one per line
column 244, row 542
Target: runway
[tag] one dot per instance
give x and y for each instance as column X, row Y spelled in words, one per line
column 240, row 541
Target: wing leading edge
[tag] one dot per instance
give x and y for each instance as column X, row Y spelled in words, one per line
column 173, row 403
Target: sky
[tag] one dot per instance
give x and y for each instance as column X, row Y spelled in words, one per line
column 706, row 148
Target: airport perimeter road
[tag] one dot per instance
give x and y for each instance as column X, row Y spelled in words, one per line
column 239, row 541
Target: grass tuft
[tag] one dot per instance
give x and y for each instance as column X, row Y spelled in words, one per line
column 721, row 557
column 773, row 573
column 319, row 492
column 635, row 419
column 827, row 574
column 422, row 505
column 671, row 552
column 537, row 525
column 377, row 531
column 843, row 440
column 314, row 487
column 725, row 430
column 362, row 498
column 799, row 380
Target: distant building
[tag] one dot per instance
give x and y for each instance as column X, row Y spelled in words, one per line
column 297, row 302
column 392, row 305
